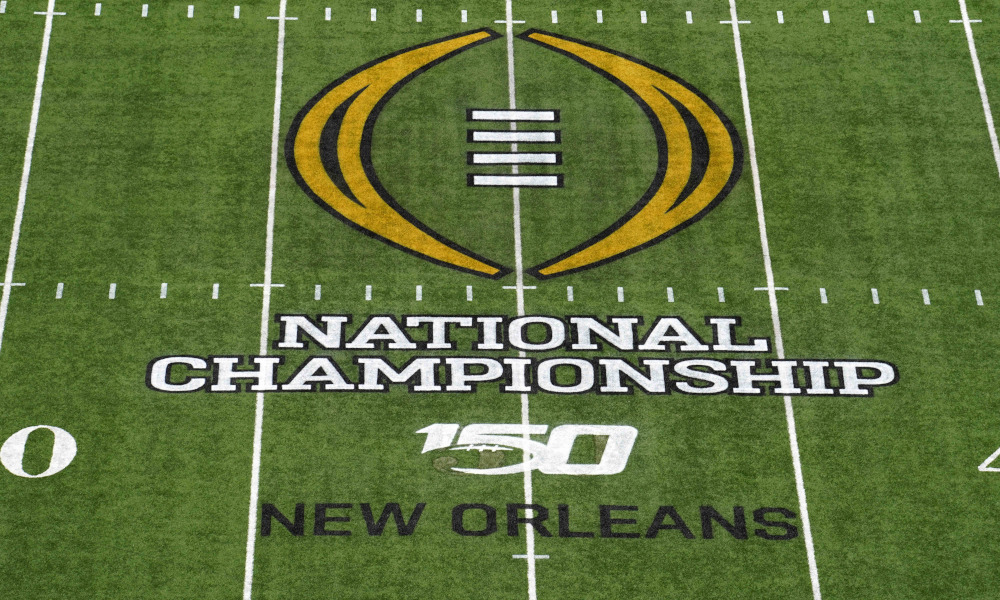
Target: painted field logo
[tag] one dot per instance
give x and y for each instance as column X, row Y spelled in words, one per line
column 328, row 150
column 612, row 444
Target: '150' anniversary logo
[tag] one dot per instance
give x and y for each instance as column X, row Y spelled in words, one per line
column 700, row 156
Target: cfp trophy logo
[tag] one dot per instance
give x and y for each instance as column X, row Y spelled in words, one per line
column 328, row 150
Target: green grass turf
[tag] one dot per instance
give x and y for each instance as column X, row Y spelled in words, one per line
column 151, row 165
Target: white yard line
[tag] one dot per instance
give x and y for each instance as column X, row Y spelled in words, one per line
column 773, row 300
column 967, row 24
column 22, row 194
column 265, row 312
column 529, row 555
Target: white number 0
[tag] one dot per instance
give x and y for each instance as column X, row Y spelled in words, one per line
column 63, row 451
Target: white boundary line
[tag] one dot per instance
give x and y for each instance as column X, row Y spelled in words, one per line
column 529, row 530
column 265, row 312
column 29, row 149
column 967, row 24
column 773, row 300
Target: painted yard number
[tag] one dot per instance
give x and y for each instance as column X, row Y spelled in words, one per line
column 989, row 461
column 63, row 451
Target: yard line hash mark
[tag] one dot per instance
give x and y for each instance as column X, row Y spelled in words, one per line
column 29, row 148
column 97, row 9
column 569, row 293
column 318, row 292
column 600, row 16
column 163, row 290
column 871, row 16
column 967, row 24
column 688, row 17
column 642, row 17
column 328, row 13
column 781, row 17
column 468, row 293
column 420, row 293
column 926, row 295
column 916, row 16
column 112, row 291
column 465, row 16
column 3, row 6
column 822, row 296
column 265, row 310
column 374, row 15
column 722, row 294
column 236, row 12
column 621, row 294
column 190, row 11
column 826, row 16
column 874, row 296
column 145, row 10
column 215, row 291
column 670, row 294
column 368, row 293
column 59, row 291
column 779, row 345
column 420, row 16
column 555, row 17
column 979, row 298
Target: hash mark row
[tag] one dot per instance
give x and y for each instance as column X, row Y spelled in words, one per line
column 824, row 297
column 464, row 14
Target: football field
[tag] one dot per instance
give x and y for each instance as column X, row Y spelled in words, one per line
column 499, row 299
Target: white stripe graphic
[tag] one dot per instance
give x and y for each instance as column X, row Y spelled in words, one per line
column 514, row 136
column 513, row 115
column 29, row 149
column 772, row 296
column 515, row 180
column 265, row 311
column 514, row 158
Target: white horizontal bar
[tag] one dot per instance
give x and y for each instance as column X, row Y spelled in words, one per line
column 515, row 180
column 513, row 115
column 514, row 158
column 514, row 136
